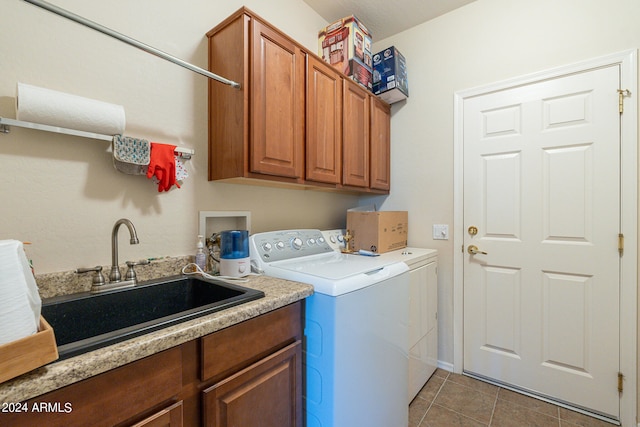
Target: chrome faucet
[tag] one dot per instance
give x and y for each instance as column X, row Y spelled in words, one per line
column 115, row 278
column 115, row 275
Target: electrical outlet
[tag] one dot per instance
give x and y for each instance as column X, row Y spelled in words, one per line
column 440, row 232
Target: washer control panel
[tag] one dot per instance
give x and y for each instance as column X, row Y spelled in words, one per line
column 335, row 238
column 286, row 244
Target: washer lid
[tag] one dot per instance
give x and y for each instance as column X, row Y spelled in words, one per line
column 336, row 273
column 334, row 265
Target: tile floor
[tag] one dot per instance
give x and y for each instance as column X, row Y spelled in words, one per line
column 452, row 400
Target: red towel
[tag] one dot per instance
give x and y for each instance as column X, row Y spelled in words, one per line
column 162, row 165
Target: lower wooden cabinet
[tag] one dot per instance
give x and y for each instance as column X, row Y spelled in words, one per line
column 169, row 417
column 264, row 394
column 137, row 389
column 252, row 367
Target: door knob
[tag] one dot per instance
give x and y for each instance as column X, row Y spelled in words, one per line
column 473, row 250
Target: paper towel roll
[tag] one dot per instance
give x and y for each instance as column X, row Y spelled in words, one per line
column 49, row 107
column 20, row 302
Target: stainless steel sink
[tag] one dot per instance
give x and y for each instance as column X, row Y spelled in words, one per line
column 85, row 322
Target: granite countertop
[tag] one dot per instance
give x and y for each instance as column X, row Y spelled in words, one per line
column 55, row 375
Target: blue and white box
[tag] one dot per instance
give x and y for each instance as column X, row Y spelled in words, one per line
column 390, row 81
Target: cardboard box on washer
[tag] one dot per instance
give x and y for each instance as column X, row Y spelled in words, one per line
column 378, row 231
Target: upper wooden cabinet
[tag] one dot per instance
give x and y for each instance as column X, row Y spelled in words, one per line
column 258, row 130
column 324, row 122
column 228, row 107
column 296, row 120
column 380, row 144
column 356, row 135
column 277, row 103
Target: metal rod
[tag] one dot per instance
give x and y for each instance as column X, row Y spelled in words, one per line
column 133, row 42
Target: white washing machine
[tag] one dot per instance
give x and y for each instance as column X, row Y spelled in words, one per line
column 356, row 328
column 423, row 311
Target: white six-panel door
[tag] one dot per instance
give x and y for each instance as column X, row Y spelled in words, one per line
column 542, row 188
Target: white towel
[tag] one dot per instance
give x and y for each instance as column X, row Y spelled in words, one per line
column 20, row 302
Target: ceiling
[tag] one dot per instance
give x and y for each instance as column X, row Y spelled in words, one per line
column 384, row 18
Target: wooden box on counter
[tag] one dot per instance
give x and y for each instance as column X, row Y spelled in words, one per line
column 26, row 354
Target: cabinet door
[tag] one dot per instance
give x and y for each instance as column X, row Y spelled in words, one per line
column 380, row 144
column 277, row 104
column 267, row 393
column 169, row 417
column 355, row 135
column 324, row 122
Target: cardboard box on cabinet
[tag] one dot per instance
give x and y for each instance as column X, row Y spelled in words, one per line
column 378, row 231
column 346, row 45
column 390, row 81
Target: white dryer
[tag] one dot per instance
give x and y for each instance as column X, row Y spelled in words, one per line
column 423, row 313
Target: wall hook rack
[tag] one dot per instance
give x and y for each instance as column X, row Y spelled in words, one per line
column 130, row 41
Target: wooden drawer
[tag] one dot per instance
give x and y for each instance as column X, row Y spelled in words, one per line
column 236, row 347
column 109, row 398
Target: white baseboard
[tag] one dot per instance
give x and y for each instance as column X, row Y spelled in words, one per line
column 449, row 367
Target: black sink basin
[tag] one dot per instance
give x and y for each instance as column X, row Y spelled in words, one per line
column 85, row 322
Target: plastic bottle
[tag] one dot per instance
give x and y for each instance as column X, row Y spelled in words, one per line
column 201, row 257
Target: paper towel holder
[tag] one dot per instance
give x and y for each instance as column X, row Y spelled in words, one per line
column 5, row 124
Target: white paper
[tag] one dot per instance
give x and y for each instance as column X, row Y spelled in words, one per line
column 20, row 302
column 49, row 107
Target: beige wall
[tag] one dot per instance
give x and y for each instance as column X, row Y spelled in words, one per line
column 63, row 194
column 481, row 43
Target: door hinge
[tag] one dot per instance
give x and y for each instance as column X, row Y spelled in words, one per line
column 620, row 382
column 621, row 94
column 621, row 244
